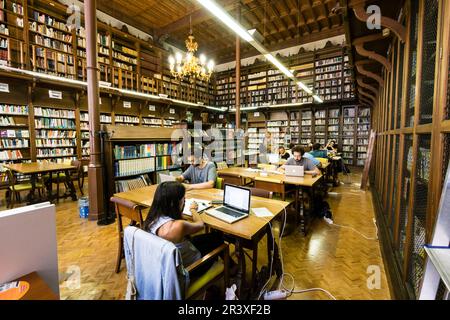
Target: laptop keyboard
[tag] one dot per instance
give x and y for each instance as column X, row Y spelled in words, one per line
column 230, row 212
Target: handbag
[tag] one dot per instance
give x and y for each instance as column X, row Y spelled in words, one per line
column 131, row 293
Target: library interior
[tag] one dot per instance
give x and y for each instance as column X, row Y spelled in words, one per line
column 224, row 150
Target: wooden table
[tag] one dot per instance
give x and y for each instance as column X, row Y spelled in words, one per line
column 39, row 290
column 246, row 233
column 307, row 182
column 35, row 168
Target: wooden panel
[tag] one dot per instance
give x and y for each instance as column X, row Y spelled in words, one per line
column 120, row 107
column 41, row 98
column 138, row 133
column 18, row 92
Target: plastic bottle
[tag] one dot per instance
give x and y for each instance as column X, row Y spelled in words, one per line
column 83, row 207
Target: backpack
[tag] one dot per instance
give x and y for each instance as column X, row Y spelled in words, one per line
column 323, row 210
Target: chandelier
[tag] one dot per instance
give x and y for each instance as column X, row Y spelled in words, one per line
column 190, row 67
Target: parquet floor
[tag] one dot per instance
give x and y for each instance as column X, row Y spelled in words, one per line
column 331, row 258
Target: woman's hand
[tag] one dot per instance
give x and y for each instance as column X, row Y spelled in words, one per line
column 194, row 206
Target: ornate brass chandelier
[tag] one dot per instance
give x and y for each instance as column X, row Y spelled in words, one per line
column 191, row 67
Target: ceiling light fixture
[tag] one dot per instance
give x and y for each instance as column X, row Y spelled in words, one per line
column 191, row 67
column 223, row 16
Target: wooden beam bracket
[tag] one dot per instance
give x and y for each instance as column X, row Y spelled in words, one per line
column 391, row 24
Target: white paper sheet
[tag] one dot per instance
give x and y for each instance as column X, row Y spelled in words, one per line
column 202, row 205
column 262, row 212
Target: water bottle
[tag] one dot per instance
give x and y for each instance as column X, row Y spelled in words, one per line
column 83, row 207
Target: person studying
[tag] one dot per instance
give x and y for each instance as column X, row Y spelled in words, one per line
column 201, row 173
column 298, row 159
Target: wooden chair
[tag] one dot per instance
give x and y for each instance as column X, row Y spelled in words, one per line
column 261, row 193
column 231, row 179
column 197, row 285
column 274, row 185
column 16, row 188
column 131, row 211
column 75, row 175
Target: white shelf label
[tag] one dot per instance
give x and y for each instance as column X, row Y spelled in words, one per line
column 256, row 114
column 4, row 87
column 127, row 104
column 220, row 116
column 152, row 108
column 99, row 100
column 172, row 111
column 55, row 94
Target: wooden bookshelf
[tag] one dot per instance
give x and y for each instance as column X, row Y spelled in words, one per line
column 134, row 156
column 12, row 41
column 326, row 71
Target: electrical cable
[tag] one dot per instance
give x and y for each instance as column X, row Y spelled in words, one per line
column 361, row 234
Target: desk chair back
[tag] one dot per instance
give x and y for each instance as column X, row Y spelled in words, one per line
column 231, row 179
column 130, row 211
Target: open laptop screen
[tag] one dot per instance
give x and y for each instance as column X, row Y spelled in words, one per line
column 237, row 198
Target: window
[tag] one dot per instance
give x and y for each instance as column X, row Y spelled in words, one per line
column 428, row 60
column 409, row 121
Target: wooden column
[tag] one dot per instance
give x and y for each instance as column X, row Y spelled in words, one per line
column 95, row 172
column 238, row 73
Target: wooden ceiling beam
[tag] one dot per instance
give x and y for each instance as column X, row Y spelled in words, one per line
column 360, row 67
column 197, row 16
column 364, row 85
column 277, row 14
column 275, row 46
column 359, row 10
column 105, row 6
column 359, row 47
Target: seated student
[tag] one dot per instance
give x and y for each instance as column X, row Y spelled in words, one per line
column 309, row 156
column 201, row 174
column 298, row 159
column 284, row 155
column 165, row 220
column 332, row 146
column 317, row 152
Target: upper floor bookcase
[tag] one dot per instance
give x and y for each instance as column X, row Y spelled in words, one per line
column 326, row 71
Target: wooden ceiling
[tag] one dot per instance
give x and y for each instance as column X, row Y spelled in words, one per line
column 282, row 23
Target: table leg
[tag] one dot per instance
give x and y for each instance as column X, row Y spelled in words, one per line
column 50, row 187
column 32, row 195
column 240, row 277
column 254, row 266
column 302, row 212
column 71, row 186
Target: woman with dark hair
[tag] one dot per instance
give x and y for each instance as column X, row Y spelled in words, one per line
column 165, row 220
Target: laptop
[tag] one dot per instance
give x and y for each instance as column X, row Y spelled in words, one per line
column 295, row 171
column 236, row 204
column 165, row 177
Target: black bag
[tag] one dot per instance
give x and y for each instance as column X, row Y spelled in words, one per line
column 323, row 210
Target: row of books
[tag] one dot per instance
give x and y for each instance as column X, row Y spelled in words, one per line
column 7, row 121
column 13, row 109
column 54, row 113
column 14, row 143
column 14, row 134
column 127, row 185
column 127, row 119
column 50, row 123
column 52, row 44
column 50, row 21
column 50, row 32
column 165, row 163
column 49, row 143
column 143, row 150
column 10, row 155
column 56, row 134
column 124, row 168
column 55, row 152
